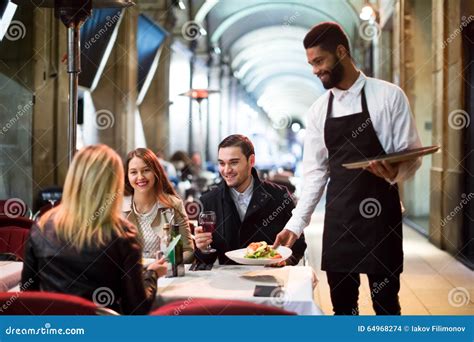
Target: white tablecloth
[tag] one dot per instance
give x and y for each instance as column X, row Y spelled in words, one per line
column 10, row 274
column 229, row 282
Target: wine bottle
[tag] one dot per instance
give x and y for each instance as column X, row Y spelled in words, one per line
column 176, row 256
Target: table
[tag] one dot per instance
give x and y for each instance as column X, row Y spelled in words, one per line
column 237, row 282
column 10, row 274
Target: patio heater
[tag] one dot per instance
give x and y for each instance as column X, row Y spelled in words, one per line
column 199, row 95
column 73, row 13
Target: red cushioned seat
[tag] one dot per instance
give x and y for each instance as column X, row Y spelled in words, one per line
column 217, row 307
column 13, row 240
column 46, row 303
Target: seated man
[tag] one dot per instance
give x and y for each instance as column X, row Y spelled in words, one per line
column 247, row 209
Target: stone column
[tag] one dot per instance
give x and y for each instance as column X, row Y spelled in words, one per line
column 50, row 117
column 447, row 173
column 154, row 110
column 34, row 95
column 116, row 93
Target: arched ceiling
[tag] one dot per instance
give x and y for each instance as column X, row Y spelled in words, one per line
column 263, row 40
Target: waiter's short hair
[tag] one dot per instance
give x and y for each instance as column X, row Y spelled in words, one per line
column 328, row 35
column 238, row 140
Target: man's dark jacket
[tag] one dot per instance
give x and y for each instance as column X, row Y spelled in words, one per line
column 267, row 214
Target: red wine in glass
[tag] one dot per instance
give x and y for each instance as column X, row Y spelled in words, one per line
column 207, row 220
column 208, row 227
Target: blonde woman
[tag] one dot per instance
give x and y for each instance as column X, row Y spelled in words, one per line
column 152, row 195
column 83, row 246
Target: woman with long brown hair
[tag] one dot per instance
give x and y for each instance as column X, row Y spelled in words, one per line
column 84, row 247
column 152, row 195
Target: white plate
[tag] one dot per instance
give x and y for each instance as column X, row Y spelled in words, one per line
column 238, row 256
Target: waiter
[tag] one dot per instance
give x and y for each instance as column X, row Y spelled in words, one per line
column 357, row 118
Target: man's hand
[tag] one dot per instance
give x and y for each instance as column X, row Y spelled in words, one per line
column 383, row 169
column 285, row 238
column 202, row 239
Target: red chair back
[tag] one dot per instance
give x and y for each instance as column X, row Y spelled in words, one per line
column 13, row 240
column 217, row 307
column 45, row 303
column 14, row 207
column 20, row 222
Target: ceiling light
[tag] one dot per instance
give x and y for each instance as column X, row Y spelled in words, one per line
column 367, row 13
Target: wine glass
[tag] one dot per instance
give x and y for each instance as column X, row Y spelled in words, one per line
column 207, row 220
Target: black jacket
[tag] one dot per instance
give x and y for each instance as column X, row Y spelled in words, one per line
column 111, row 276
column 267, row 214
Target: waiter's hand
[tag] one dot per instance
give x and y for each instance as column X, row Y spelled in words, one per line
column 383, row 169
column 286, row 238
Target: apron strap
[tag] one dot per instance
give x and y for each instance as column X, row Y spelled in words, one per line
column 331, row 98
column 365, row 109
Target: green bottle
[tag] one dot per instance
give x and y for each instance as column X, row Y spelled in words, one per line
column 176, row 257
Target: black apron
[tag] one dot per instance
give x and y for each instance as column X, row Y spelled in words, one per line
column 363, row 221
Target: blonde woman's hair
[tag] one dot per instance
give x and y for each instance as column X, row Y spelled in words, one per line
column 90, row 211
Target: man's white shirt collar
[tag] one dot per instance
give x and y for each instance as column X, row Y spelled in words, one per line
column 355, row 89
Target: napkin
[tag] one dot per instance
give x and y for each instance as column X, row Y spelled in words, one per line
column 279, row 275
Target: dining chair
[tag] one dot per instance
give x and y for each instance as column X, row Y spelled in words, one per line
column 17, row 222
column 48, row 303
column 14, row 207
column 213, row 307
column 13, row 240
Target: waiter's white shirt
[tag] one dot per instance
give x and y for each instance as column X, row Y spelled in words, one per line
column 392, row 121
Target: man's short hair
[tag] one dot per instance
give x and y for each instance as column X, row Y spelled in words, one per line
column 328, row 35
column 238, row 140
